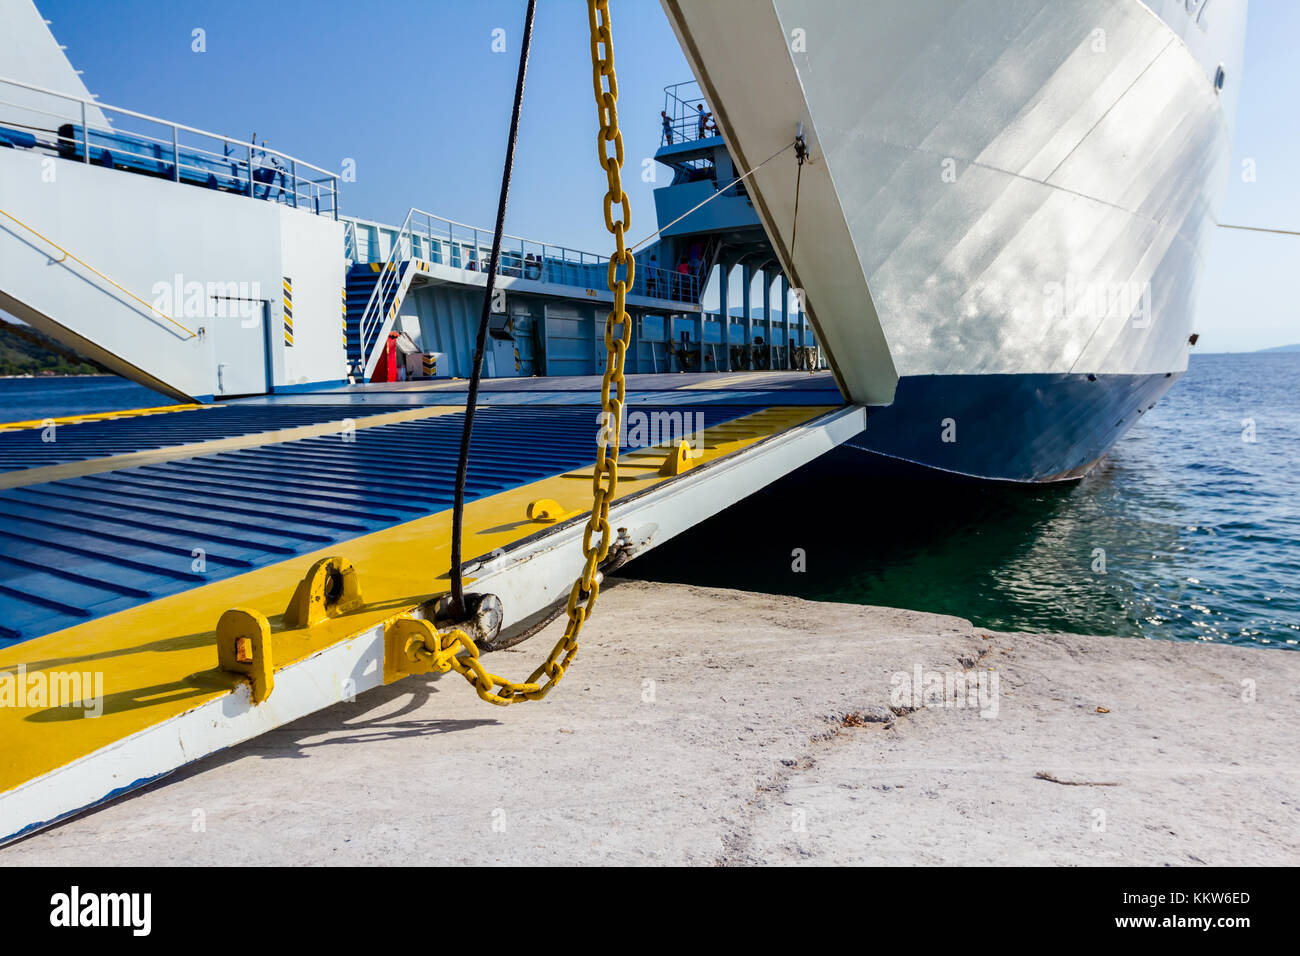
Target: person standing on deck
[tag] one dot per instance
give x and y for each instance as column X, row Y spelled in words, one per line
column 703, row 120
column 265, row 171
column 668, row 128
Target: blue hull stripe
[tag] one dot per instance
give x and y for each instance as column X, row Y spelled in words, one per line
column 1026, row 428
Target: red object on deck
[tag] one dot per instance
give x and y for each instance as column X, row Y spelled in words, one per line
column 386, row 367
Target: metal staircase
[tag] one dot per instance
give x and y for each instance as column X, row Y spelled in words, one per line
column 375, row 290
column 371, row 306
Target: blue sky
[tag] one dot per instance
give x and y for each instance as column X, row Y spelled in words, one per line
column 413, row 92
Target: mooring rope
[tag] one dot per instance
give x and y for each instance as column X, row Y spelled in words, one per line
column 1280, row 232
column 480, row 343
column 801, row 151
column 699, row 205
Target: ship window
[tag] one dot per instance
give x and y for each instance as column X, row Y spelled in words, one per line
column 1219, row 77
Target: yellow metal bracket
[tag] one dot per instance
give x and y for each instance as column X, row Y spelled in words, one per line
column 404, row 640
column 546, row 511
column 244, row 647
column 679, row 460
column 416, row 646
column 331, row 588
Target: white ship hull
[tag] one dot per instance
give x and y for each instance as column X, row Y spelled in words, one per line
column 1005, row 202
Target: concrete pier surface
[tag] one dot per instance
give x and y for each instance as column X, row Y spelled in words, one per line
column 709, row 727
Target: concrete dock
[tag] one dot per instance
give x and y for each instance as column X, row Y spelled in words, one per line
column 718, row 727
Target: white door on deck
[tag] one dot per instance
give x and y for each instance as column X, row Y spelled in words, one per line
column 239, row 349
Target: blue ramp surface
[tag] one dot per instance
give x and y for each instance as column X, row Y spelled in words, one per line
column 80, row 548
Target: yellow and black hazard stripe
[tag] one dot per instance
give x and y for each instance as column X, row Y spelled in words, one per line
column 430, row 365
column 288, row 311
column 345, row 317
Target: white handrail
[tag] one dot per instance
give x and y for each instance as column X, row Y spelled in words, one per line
column 596, row 258
column 504, row 235
column 117, row 285
column 155, row 119
column 656, row 281
column 380, row 292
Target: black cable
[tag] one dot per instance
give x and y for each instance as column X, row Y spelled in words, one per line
column 801, row 152
column 462, row 465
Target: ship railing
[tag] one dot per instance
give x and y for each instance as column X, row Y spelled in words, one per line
column 686, row 130
column 459, row 245
column 350, row 240
column 682, row 102
column 94, row 133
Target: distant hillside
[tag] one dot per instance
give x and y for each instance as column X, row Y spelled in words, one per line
column 24, row 351
column 1282, row 348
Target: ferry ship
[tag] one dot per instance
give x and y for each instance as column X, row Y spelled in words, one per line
column 1003, row 213
column 1002, row 218
column 1001, row 210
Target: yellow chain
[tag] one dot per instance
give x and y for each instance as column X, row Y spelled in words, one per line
column 582, row 597
column 446, row 655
